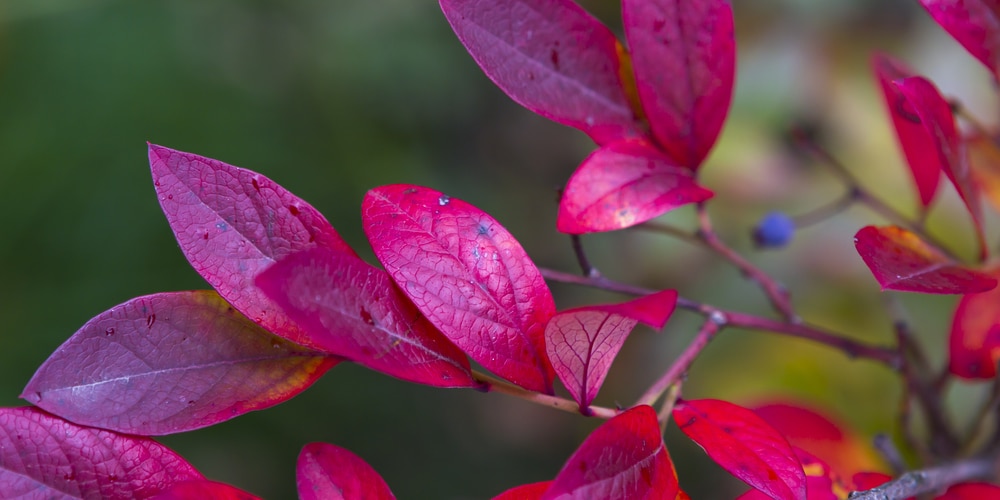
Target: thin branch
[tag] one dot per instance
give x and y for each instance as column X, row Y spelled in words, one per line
column 987, row 413
column 824, row 212
column 581, row 257
column 492, row 384
column 888, row 450
column 683, row 362
column 931, row 480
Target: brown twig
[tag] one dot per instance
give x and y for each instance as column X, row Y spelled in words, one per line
column 581, row 258
column 493, row 384
column 680, row 366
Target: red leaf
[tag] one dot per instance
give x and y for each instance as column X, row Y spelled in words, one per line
column 743, row 444
column 203, row 488
column 43, row 456
column 533, row 491
column 232, row 223
column 974, row 342
column 171, row 362
column 900, row 260
column 821, row 482
column 867, row 480
column 973, row 23
column 328, row 472
column 468, row 275
column 355, row 311
column 624, row 184
column 971, row 491
column 623, row 458
column 915, row 140
column 553, row 58
column 583, row 342
column 684, row 56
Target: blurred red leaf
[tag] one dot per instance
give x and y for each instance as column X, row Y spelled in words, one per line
column 232, row 223
column 203, row 488
column 551, row 57
column 973, row 23
column 583, row 342
column 468, row 275
column 901, row 260
column 623, row 458
column 43, row 456
column 743, row 444
column 328, row 472
column 914, row 139
column 684, row 56
column 623, row 184
column 822, row 483
column 171, row 362
column 971, row 491
column 974, row 342
column 984, row 158
column 533, row 491
column 354, row 310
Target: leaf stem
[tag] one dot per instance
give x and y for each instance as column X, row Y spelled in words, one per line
column 680, row 365
column 493, row 384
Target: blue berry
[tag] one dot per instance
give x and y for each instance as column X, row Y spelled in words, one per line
column 774, row 230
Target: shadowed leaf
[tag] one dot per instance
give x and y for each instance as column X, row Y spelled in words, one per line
column 973, row 23
column 203, row 488
column 328, row 472
column 822, row 483
column 974, row 342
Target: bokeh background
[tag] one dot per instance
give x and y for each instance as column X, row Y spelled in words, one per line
column 333, row 98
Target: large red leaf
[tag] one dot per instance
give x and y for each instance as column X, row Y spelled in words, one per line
column 232, row 223
column 203, row 488
column 354, row 310
column 901, row 260
column 745, row 445
column 623, row 184
column 915, row 140
column 582, row 342
column 684, row 56
column 328, row 472
column 553, row 58
column 43, row 456
column 171, row 362
column 533, row 491
column 973, row 23
column 822, row 483
column 623, row 458
column 971, row 491
column 468, row 275
column 974, row 342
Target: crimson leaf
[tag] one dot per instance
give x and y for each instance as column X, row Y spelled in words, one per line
column 822, row 483
column 974, row 341
column 973, row 23
column 745, row 445
column 203, row 488
column 354, row 310
column 553, row 58
column 623, row 184
column 533, row 491
column 171, row 362
column 468, row 275
column 43, row 456
column 971, row 491
column 684, row 56
column 328, row 472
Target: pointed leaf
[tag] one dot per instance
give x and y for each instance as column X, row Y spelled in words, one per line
column 900, row 260
column 915, row 140
column 583, row 342
column 468, row 275
column 354, row 310
column 328, row 472
column 624, row 184
column 973, row 23
column 43, row 456
column 203, row 488
column 684, row 56
column 743, row 444
column 623, row 458
column 974, row 342
column 533, row 491
column 232, row 223
column 171, row 362
column 551, row 57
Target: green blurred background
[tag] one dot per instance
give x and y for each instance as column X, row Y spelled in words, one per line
column 331, row 98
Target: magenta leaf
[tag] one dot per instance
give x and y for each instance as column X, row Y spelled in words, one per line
column 171, row 362
column 354, row 310
column 914, row 139
column 468, row 275
column 203, row 488
column 232, row 223
column 43, row 456
column 974, row 342
column 973, row 23
column 533, row 491
column 328, row 472
column 583, row 342
column 901, row 260
column 623, row 184
column 551, row 57
column 684, row 56
column 745, row 445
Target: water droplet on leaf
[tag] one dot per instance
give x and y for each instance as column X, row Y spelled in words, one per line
column 444, row 199
column 109, row 332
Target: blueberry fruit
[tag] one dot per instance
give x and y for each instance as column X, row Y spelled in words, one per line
column 775, row 230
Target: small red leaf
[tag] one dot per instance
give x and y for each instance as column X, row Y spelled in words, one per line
column 468, row 275
column 868, row 480
column 973, row 23
column 551, row 57
column 624, row 184
column 171, row 362
column 900, row 260
column 623, row 458
column 684, row 56
column 354, row 310
column 971, row 491
column 914, row 139
column 43, row 456
column 974, row 342
column 232, row 223
column 743, row 444
column 328, row 472
column 533, row 491
column 583, row 342
column 203, row 488
column 822, row 483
